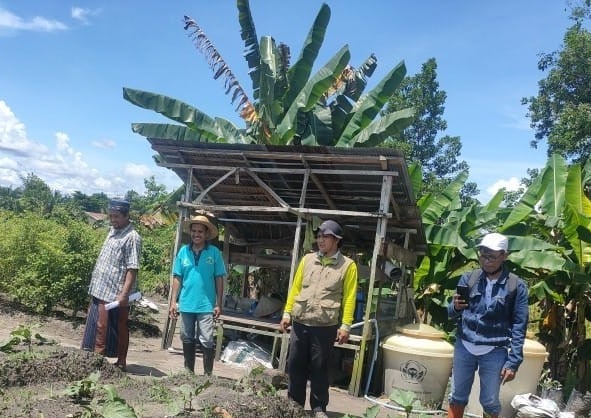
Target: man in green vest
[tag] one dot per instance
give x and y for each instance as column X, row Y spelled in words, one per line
column 319, row 308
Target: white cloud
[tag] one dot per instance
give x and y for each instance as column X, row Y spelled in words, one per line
column 9, row 20
column 137, row 170
column 82, row 14
column 510, row 185
column 104, row 143
column 7, row 163
column 60, row 166
column 13, row 135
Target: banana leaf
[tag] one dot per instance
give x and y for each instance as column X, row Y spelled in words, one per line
column 416, row 177
column 526, row 204
column 444, row 236
column 575, row 193
column 380, row 129
column 444, row 201
column 251, row 44
column 524, row 243
column 340, row 109
column 300, row 71
column 167, row 131
column 310, row 94
column 268, row 77
column 231, row 133
column 368, row 107
column 176, row 110
column 495, row 202
column 576, row 229
column 485, row 216
column 541, row 290
column 554, row 181
column 539, row 260
column 319, row 130
column 587, row 172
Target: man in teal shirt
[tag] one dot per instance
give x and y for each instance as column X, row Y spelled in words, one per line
column 198, row 274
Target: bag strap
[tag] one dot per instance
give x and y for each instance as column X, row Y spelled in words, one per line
column 511, row 284
column 474, row 278
column 511, row 280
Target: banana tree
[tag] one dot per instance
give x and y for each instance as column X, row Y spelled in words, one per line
column 451, row 231
column 556, row 209
column 289, row 104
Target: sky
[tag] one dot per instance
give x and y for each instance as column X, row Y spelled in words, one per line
column 63, row 67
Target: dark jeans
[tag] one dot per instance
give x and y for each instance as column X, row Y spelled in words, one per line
column 309, row 353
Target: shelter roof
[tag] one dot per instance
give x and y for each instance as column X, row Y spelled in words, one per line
column 258, row 191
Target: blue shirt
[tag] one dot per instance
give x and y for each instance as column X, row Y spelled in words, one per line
column 500, row 321
column 197, row 274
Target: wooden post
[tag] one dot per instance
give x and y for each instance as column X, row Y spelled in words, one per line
column 381, row 226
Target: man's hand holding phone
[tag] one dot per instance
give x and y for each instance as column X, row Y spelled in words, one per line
column 461, row 297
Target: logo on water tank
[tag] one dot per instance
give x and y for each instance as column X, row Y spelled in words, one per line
column 413, row 371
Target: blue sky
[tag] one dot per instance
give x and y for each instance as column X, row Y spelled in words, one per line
column 63, row 67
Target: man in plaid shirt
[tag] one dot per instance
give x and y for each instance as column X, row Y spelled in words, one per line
column 114, row 278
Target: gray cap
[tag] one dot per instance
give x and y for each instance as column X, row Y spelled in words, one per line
column 330, row 227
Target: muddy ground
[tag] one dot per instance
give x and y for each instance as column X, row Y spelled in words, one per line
column 50, row 377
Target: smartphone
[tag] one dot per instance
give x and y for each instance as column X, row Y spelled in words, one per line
column 464, row 292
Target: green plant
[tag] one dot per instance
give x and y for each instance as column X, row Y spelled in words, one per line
column 159, row 392
column 83, row 390
column 405, row 399
column 189, row 392
column 546, row 382
column 290, row 104
column 23, row 335
column 113, row 407
column 29, row 271
column 370, row 412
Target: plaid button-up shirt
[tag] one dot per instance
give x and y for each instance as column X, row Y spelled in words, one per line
column 121, row 252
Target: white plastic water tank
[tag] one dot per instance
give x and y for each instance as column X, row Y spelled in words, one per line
column 526, row 380
column 417, row 359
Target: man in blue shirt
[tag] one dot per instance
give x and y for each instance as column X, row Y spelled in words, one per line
column 492, row 325
column 198, row 286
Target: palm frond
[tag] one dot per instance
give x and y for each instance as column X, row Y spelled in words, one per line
column 217, row 64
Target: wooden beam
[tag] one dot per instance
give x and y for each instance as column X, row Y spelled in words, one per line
column 353, row 171
column 214, row 184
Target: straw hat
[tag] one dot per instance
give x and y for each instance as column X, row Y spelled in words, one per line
column 202, row 220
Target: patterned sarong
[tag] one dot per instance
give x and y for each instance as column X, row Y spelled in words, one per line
column 103, row 329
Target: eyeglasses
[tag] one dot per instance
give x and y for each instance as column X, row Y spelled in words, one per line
column 489, row 256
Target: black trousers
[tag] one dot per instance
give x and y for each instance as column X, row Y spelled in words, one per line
column 310, row 349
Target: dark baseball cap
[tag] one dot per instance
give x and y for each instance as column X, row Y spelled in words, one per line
column 330, row 227
column 119, row 205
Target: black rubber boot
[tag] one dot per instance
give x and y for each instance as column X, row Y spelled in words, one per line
column 208, row 358
column 189, row 355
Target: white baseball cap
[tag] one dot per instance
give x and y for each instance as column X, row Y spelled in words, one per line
column 495, row 242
